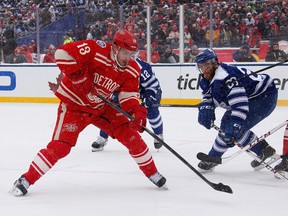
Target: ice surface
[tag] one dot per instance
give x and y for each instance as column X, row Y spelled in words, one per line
column 109, row 183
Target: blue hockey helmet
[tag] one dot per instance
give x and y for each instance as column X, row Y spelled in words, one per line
column 206, row 55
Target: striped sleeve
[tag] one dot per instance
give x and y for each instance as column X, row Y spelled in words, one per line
column 238, row 101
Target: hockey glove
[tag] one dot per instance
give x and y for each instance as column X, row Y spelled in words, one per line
column 150, row 101
column 206, row 115
column 233, row 132
column 150, row 98
column 84, row 83
column 140, row 114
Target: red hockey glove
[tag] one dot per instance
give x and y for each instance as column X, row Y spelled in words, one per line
column 83, row 83
column 140, row 114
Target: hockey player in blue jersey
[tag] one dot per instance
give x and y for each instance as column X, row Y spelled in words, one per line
column 248, row 99
column 150, row 94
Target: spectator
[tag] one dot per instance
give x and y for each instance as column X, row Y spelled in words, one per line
column 243, row 31
column 155, row 57
column 255, row 55
column 203, row 21
column 283, row 32
column 161, row 35
column 17, row 57
column 275, row 54
column 173, row 37
column 191, row 55
column 187, row 37
column 67, row 38
column 243, row 55
column 274, row 30
column 225, row 35
column 130, row 25
column 110, row 32
column 8, row 44
column 90, row 33
column 168, row 56
column 254, row 38
column 49, row 57
column 97, row 31
column 215, row 36
column 32, row 46
column 142, row 41
column 250, row 22
column 46, row 17
column 26, row 52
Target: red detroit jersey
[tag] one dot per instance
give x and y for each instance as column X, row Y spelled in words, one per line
column 94, row 59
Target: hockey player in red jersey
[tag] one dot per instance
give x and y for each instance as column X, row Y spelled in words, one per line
column 94, row 68
column 283, row 165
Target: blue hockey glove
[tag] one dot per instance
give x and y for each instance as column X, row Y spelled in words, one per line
column 233, row 132
column 150, row 101
column 206, row 115
column 150, row 98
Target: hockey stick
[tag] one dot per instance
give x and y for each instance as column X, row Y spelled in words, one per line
column 255, row 72
column 266, row 165
column 205, row 157
column 252, row 154
column 263, row 69
column 218, row 187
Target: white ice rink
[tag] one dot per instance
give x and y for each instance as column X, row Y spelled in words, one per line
column 109, row 183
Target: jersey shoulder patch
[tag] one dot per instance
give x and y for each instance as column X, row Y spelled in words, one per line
column 101, row 43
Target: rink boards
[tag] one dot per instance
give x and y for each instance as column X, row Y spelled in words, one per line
column 180, row 82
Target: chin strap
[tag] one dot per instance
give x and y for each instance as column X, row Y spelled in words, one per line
column 116, row 59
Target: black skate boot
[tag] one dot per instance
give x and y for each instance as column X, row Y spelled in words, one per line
column 283, row 165
column 266, row 152
column 20, row 187
column 207, row 166
column 158, row 180
column 99, row 144
column 157, row 144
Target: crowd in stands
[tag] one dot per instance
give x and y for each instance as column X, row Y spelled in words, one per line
column 235, row 23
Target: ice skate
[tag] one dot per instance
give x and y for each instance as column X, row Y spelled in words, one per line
column 20, row 187
column 206, row 166
column 158, row 144
column 159, row 180
column 99, row 144
column 283, row 165
column 266, row 152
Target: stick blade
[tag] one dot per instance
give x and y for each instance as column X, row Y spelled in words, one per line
column 204, row 157
column 223, row 188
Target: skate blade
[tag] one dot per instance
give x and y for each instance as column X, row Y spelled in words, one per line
column 164, row 187
column 274, row 158
column 281, row 175
column 97, row 149
column 206, row 171
column 15, row 191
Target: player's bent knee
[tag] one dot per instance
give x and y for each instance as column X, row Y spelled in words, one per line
column 128, row 136
column 59, row 149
